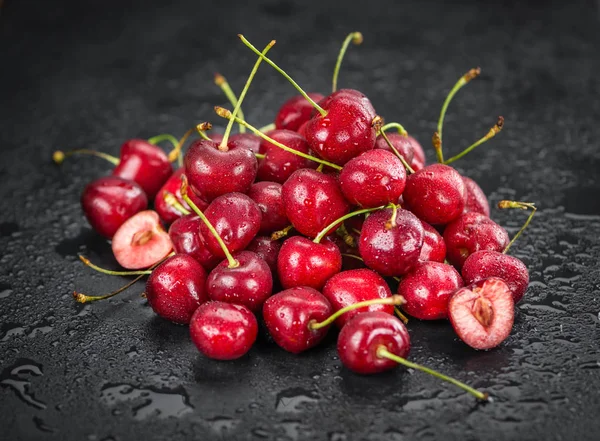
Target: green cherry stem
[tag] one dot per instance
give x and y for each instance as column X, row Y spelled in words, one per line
column 267, row 128
column 394, row 125
column 492, row 132
column 382, row 352
column 354, row 37
column 406, row 165
column 281, row 233
column 393, row 300
column 87, row 262
column 221, row 81
column 175, row 154
column 523, row 206
column 325, row 230
column 392, row 222
column 59, row 156
column 259, row 156
column 400, row 315
column 164, row 137
column 172, row 201
column 322, row 111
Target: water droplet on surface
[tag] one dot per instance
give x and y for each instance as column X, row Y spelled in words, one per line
column 13, row 377
column 294, row 399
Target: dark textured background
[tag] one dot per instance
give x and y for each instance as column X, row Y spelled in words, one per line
column 94, row 73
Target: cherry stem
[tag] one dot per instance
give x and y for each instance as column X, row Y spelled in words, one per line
column 59, row 156
column 224, row 113
column 175, row 154
column 523, row 206
column 396, row 299
column 184, row 189
column 164, row 137
column 267, row 128
column 342, row 231
column 322, row 111
column 354, row 37
column 437, row 136
column 382, row 352
column 259, row 156
column 281, row 233
column 492, row 132
column 236, row 109
column 353, row 256
column 392, row 222
column 221, row 81
column 172, row 201
column 400, row 315
column 394, row 125
column 325, row 230
column 408, row 168
column 110, row 272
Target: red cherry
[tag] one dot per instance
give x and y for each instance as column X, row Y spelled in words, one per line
column 267, row 249
column 476, row 199
column 427, row 289
column 267, row 196
column 484, row 264
column 166, row 211
column 108, row 202
column 436, row 194
column 175, row 288
column 419, row 159
column 242, row 140
column 186, row 238
column 400, row 142
column 472, row 232
column 374, row 178
column 434, row 247
column 359, row 285
column 288, row 316
column 295, row 112
column 313, row 201
column 482, row 314
column 223, row 331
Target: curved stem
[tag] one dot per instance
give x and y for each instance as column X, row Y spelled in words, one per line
column 281, row 233
column 259, row 155
column 406, row 165
column 492, row 132
column 224, row 113
column 172, row 201
column 353, row 256
column 348, row 239
column 285, row 75
column 59, row 156
column 522, row 206
column 393, row 300
column 325, row 230
column 392, row 222
column 110, row 272
column 401, row 316
column 221, row 81
column 382, row 352
column 175, row 154
column 354, row 37
column 394, row 125
column 164, row 137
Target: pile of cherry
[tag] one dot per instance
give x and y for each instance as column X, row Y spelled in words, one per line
column 313, row 221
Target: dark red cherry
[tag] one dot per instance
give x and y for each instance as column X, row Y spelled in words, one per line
column 267, row 196
column 419, row 160
column 173, row 185
column 427, row 289
column 267, row 249
column 312, row 201
column 295, row 112
column 288, row 316
column 374, row 178
column 108, row 202
column 243, row 140
column 213, row 172
column 175, row 288
column 358, row 285
column 472, row 232
column 248, row 284
column 434, row 247
column 223, row 331
column 278, row 165
column 236, row 218
column 435, row 194
column 361, row 338
column 484, row 264
column 400, row 142
column 186, row 238
column 476, row 199
column 391, row 250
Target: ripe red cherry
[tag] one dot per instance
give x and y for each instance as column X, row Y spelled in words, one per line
column 288, row 316
column 166, row 211
column 248, row 284
column 223, row 331
column 361, row 338
column 427, row 289
column 312, row 201
column 419, row 159
column 175, row 288
column 302, row 262
column 108, row 202
column 295, row 112
column 434, row 247
column 390, row 249
column 242, row 140
column 476, row 199
column 267, row 196
column 267, row 249
column 186, row 238
column 482, row 314
column 484, row 264
column 145, row 164
column 359, row 285
column 374, row 178
column 472, row 232
column 213, row 172
column 435, row 194
column 400, row 142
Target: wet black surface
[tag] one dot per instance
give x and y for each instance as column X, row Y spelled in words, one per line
column 83, row 74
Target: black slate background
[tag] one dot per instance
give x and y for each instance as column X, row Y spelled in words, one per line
column 94, row 73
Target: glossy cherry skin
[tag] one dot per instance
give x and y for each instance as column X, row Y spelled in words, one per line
column 301, row 262
column 213, row 172
column 144, row 163
column 434, row 247
column 176, row 288
column 236, row 218
column 186, row 238
column 393, row 251
column 435, row 194
column 427, row 289
column 243, row 140
column 312, row 201
column 248, row 284
column 109, row 201
column 374, row 178
column 419, row 159
column 346, row 130
column 289, row 313
column 223, row 331
column 173, row 185
column 295, row 112
column 362, row 336
column 472, row 232
column 267, row 249
column 400, row 142
column 267, row 196
column 359, row 285
column 278, row 165
column 484, row 264
column 476, row 199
